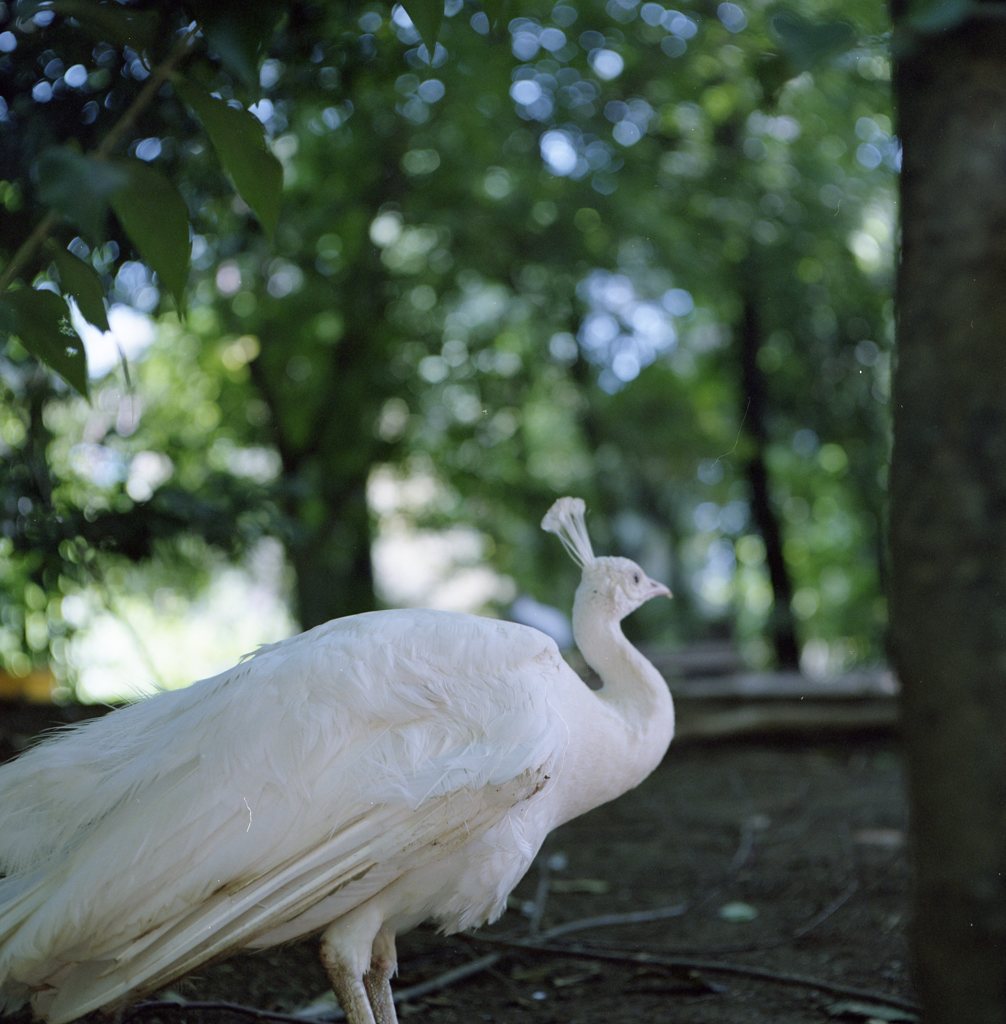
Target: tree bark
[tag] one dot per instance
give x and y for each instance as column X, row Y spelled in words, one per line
column 331, row 559
column 323, row 494
column 948, row 510
column 782, row 627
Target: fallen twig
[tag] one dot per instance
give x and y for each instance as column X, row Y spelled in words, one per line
column 320, row 1010
column 606, row 921
column 543, row 942
column 211, row 1005
column 712, row 966
column 314, row 1012
column 836, row 904
column 797, row 935
column 542, row 890
column 446, row 979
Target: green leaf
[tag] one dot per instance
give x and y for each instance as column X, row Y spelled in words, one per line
column 80, row 280
column 238, row 32
column 806, row 43
column 737, row 912
column 78, row 187
column 107, row 23
column 239, row 141
column 41, row 320
column 427, row 16
column 155, row 218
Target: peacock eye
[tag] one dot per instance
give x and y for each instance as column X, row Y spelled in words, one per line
column 635, row 577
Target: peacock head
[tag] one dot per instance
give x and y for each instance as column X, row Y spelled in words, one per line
column 617, row 584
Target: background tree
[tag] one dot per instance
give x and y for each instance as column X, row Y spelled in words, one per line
column 948, row 487
column 518, row 269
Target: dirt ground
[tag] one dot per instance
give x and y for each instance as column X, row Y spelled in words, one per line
column 744, row 882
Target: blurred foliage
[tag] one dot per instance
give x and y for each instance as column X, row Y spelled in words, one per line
column 156, row 49
column 515, row 267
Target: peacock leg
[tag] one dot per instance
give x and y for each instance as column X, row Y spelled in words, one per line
column 347, row 983
column 377, row 980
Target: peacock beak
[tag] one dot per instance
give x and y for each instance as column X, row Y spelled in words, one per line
column 658, row 590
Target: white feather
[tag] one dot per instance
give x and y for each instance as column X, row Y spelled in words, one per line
column 566, row 519
column 264, row 765
column 410, row 762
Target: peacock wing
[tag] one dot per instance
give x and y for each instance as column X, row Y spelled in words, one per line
column 237, row 803
column 361, row 860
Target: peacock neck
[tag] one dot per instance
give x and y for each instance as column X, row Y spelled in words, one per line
column 624, row 729
column 631, row 686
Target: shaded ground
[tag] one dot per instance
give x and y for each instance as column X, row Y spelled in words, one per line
column 787, row 859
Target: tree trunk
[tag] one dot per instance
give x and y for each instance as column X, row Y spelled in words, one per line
column 948, row 510
column 782, row 627
column 326, row 468
column 331, row 557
